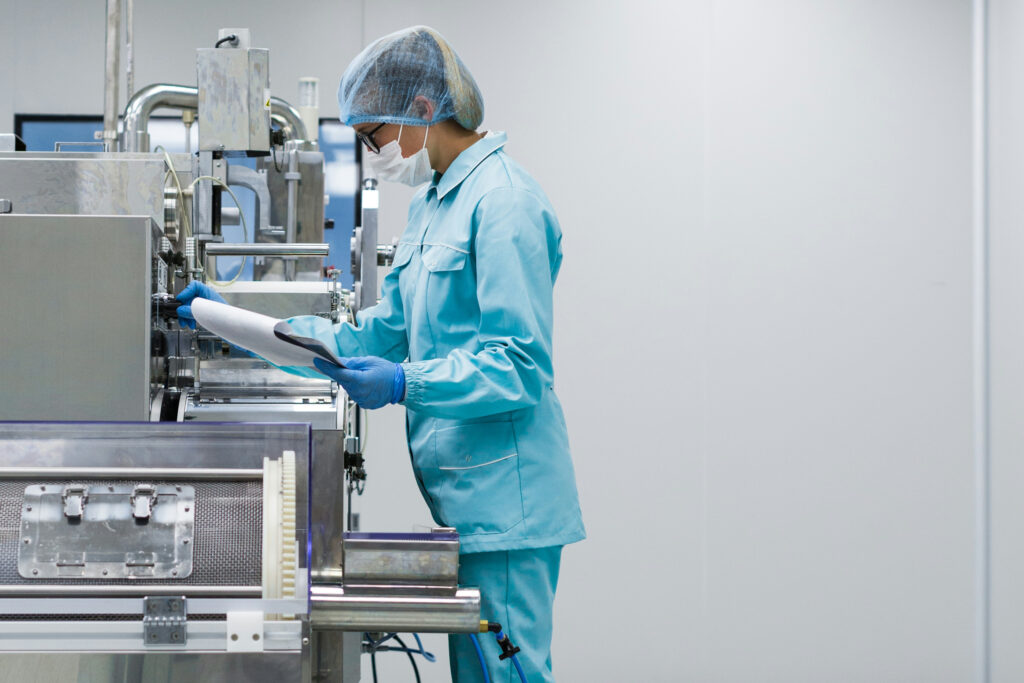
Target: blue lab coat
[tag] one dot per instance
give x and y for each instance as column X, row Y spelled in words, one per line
column 468, row 308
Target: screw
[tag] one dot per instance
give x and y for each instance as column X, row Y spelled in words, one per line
column 29, row 508
column 185, row 541
column 186, row 508
column 234, row 636
column 305, row 641
column 178, row 489
column 110, row 488
column 174, row 572
column 27, row 541
column 42, row 488
column 175, row 636
column 35, row 571
column 152, row 636
column 255, row 636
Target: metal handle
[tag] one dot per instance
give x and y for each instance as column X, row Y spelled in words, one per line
column 267, row 249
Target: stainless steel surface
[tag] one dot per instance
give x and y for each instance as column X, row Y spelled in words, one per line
column 284, row 299
column 56, row 606
column 305, row 196
column 225, row 542
column 93, row 183
column 413, row 559
column 335, row 656
column 142, row 105
column 239, row 446
column 127, row 636
column 321, row 414
column 186, row 97
column 9, row 142
column 63, row 360
column 366, row 288
column 267, row 249
column 165, row 620
column 152, row 668
column 107, row 532
column 241, row 378
column 327, row 513
column 332, row 608
column 289, row 118
column 129, row 47
column 234, row 99
column 83, row 590
column 256, row 181
column 291, row 179
column 112, row 72
column 386, row 253
column 182, row 473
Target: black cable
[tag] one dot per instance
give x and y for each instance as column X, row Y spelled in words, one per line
column 373, row 663
column 233, row 39
column 412, row 660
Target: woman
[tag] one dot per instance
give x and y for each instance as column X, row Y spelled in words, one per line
column 462, row 338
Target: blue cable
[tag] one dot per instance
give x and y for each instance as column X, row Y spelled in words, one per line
column 519, row 669
column 480, row 654
column 522, row 676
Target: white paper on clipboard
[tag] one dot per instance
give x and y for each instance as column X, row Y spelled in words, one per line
column 268, row 337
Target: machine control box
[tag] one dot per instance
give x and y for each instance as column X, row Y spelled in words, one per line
column 234, row 99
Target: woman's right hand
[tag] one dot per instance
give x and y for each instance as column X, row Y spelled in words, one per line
column 195, row 290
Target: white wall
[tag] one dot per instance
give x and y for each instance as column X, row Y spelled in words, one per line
column 1007, row 253
column 762, row 339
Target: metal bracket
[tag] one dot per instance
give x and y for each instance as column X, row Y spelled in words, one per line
column 164, row 620
column 143, row 499
column 74, row 498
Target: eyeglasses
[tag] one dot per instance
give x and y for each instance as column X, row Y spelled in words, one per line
column 367, row 139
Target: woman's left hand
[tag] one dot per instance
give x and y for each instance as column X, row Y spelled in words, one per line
column 370, row 381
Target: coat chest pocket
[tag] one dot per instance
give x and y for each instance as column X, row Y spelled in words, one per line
column 478, row 487
column 439, row 258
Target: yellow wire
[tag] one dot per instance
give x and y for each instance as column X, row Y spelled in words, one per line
column 245, row 227
column 181, row 193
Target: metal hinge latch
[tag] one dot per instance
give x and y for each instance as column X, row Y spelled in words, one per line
column 164, row 620
column 74, row 498
column 143, row 499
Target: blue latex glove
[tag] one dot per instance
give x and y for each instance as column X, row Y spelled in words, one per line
column 195, row 289
column 370, row 381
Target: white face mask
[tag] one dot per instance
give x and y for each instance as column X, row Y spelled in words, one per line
column 389, row 164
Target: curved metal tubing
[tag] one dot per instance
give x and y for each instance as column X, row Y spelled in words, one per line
column 170, row 96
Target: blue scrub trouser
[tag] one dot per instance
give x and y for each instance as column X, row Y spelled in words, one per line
column 517, row 590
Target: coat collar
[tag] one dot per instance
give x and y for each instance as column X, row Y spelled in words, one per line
column 464, row 164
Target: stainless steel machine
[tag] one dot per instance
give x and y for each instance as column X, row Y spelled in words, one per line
column 171, row 509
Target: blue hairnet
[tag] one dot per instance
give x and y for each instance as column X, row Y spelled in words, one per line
column 381, row 84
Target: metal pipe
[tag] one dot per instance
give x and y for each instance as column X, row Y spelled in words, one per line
column 267, row 249
column 289, row 118
column 145, row 102
column 333, row 609
column 292, row 215
column 169, row 96
column 129, row 49
column 112, row 72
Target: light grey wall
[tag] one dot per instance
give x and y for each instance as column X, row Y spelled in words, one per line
column 1006, row 57
column 762, row 337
